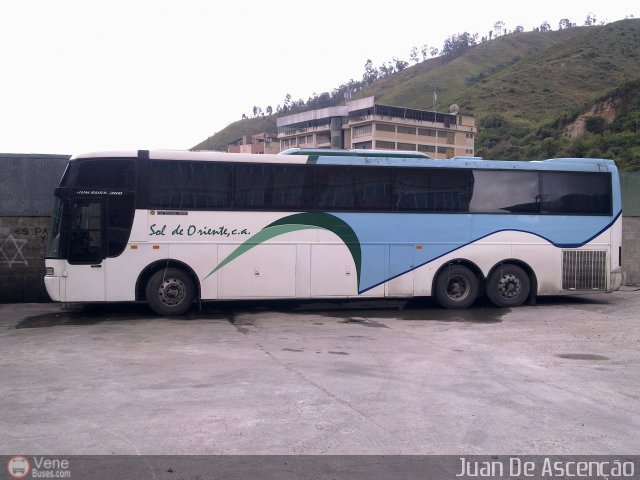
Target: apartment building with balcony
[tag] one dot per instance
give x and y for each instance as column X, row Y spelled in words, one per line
column 259, row 143
column 365, row 124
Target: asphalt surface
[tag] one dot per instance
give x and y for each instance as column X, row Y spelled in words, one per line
column 382, row 377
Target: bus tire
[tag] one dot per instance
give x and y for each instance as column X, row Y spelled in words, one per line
column 456, row 287
column 170, row 291
column 508, row 286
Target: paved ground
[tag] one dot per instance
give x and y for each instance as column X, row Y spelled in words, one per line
column 318, row 378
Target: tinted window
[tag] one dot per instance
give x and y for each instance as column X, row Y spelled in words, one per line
column 576, row 193
column 353, row 188
column 268, row 186
column 499, row 191
column 185, row 185
column 119, row 220
column 85, row 242
column 426, row 190
column 107, row 173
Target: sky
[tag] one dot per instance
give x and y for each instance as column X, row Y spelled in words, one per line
column 89, row 75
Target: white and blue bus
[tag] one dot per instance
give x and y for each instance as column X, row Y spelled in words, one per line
column 172, row 228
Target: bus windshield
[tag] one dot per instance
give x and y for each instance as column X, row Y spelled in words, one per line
column 53, row 242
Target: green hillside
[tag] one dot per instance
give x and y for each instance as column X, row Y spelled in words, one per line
column 571, row 92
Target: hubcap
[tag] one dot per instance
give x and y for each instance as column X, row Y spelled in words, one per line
column 509, row 285
column 172, row 291
column 457, row 287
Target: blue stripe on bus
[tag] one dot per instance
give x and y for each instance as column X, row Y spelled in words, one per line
column 442, row 234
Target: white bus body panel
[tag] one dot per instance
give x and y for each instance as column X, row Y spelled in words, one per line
column 307, row 263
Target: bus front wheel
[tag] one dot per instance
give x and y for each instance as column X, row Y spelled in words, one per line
column 508, row 286
column 456, row 287
column 170, row 291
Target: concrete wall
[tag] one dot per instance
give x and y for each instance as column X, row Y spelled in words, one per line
column 27, row 183
column 22, row 249
column 631, row 250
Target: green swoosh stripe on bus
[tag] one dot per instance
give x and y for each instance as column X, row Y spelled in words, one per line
column 300, row 221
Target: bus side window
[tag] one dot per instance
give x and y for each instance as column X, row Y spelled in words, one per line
column 335, row 188
column 567, row 193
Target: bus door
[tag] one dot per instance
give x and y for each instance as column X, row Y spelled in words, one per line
column 85, row 273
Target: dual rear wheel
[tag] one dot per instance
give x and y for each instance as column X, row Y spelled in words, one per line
column 458, row 286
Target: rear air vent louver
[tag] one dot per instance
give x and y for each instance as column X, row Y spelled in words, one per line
column 584, row 270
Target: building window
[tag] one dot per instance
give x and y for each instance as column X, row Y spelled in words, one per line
column 362, row 130
column 385, row 145
column 469, row 135
column 427, row 132
column 406, row 130
column 447, row 151
column 407, row 146
column 323, row 138
column 385, row 127
column 450, row 136
column 426, row 148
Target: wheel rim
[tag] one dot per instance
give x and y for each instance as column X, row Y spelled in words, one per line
column 509, row 285
column 172, row 291
column 457, row 288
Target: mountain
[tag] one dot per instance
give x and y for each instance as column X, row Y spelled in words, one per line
column 570, row 92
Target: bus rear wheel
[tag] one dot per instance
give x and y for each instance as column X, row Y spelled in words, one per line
column 508, row 286
column 170, row 291
column 456, row 287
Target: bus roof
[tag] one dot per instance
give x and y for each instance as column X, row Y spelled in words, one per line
column 362, row 157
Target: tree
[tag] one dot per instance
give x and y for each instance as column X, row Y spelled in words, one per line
column 458, row 44
column 255, row 111
column 400, row 64
column 545, row 27
column 387, row 69
column 424, row 51
column 371, row 73
column 565, row 23
column 413, row 56
column 269, row 110
column 434, row 51
column 498, row 26
column 244, row 116
column 519, row 29
column 591, row 19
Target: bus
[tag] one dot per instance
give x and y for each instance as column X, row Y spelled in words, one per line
column 174, row 228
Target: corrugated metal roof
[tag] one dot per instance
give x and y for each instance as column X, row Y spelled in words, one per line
column 27, row 182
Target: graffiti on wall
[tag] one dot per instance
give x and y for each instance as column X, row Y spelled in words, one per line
column 11, row 249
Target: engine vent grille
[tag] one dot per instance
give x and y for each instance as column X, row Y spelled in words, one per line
column 584, row 270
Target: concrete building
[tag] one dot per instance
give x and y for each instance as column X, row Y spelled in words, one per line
column 259, row 143
column 365, row 124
